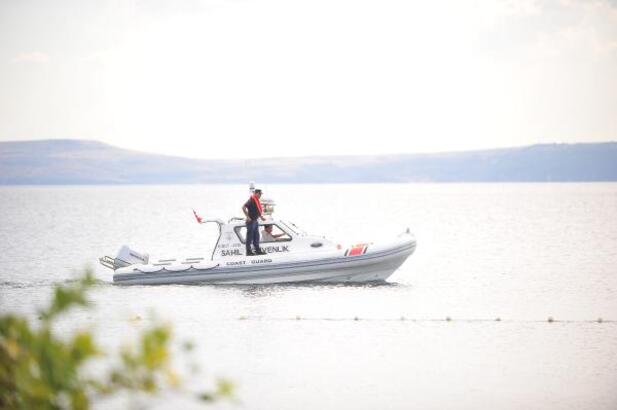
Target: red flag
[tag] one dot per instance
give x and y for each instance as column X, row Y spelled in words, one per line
column 197, row 217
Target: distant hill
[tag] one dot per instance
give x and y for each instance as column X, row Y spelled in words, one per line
column 49, row 162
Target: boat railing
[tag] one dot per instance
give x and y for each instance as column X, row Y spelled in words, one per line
column 108, row 262
column 112, row 263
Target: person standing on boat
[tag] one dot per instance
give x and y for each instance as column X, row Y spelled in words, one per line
column 253, row 211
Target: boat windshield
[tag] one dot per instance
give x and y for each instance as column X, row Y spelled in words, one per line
column 294, row 228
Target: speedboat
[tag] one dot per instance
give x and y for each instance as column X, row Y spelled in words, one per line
column 288, row 255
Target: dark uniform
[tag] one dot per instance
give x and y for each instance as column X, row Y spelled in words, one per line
column 252, row 226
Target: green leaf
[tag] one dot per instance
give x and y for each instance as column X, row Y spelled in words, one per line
column 40, row 369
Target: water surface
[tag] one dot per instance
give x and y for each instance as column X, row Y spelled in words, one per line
column 429, row 338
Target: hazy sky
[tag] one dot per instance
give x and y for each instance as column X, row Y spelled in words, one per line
column 242, row 78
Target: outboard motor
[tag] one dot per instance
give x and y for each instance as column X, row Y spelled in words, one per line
column 125, row 257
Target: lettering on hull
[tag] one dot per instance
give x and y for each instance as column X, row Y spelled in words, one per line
column 231, row 252
column 253, row 262
column 267, row 249
column 273, row 249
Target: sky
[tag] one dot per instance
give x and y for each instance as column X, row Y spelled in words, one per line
column 269, row 78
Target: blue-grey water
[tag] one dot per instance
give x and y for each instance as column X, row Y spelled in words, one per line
column 520, row 253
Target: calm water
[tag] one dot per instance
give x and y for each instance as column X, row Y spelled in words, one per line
column 518, row 252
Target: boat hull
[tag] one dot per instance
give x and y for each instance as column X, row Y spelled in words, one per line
column 370, row 267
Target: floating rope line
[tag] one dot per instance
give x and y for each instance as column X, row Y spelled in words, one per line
column 550, row 319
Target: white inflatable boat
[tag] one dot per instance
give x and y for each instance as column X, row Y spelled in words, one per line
column 290, row 255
